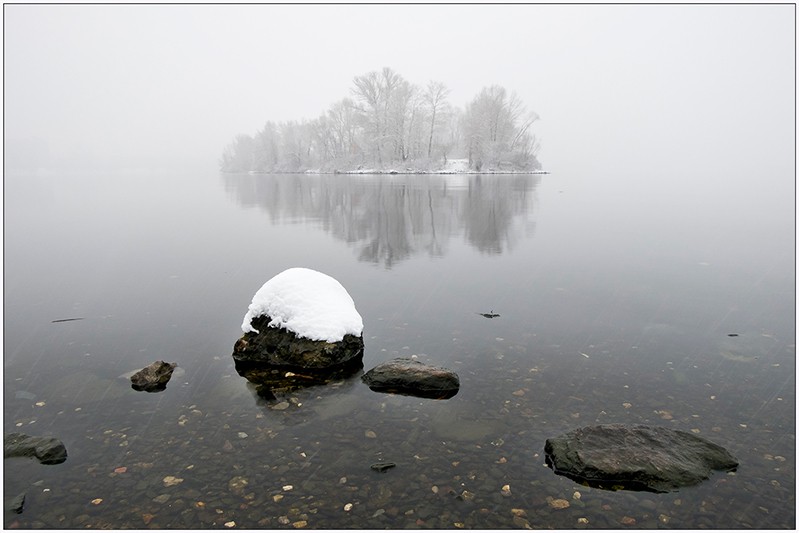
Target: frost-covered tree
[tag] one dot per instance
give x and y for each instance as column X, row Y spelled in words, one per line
column 435, row 96
column 495, row 131
column 388, row 122
column 239, row 156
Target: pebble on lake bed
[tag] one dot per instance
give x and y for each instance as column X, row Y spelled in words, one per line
column 172, row 480
column 558, row 503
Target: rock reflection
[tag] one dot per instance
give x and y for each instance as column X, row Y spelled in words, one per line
column 388, row 219
column 272, row 386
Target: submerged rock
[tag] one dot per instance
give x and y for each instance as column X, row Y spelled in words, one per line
column 635, row 457
column 271, row 382
column 382, row 467
column 48, row 450
column 279, row 347
column 413, row 378
column 153, row 378
column 16, row 504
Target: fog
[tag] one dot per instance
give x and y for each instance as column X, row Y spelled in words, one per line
column 153, row 86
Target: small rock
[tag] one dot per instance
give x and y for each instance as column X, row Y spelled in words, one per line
column 237, row 484
column 281, row 406
column 505, row 490
column 628, row 521
column 232, row 523
column 169, row 481
column 162, row 498
column 300, row 524
column 16, row 503
column 559, row 503
column 382, row 467
column 467, row 496
column 348, row 507
column 413, row 378
column 154, row 377
column 369, row 434
column 48, row 450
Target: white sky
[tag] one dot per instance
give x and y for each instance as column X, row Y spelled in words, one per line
column 117, row 84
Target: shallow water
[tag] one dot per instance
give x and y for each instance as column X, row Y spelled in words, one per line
column 616, row 303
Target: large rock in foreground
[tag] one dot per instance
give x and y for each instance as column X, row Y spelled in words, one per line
column 48, row 450
column 154, row 377
column 412, row 378
column 636, row 457
column 279, row 347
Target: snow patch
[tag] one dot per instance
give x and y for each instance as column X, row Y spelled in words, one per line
column 311, row 304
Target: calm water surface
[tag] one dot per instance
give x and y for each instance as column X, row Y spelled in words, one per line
column 616, row 302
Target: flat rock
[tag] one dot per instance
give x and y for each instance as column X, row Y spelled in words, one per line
column 279, row 347
column 48, row 450
column 412, row 378
column 15, row 504
column 154, row 377
column 636, row 457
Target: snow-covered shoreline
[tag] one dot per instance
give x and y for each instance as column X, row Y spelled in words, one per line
column 453, row 166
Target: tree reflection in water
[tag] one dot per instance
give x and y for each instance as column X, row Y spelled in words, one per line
column 387, row 219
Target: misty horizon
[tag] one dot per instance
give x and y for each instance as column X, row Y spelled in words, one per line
column 146, row 86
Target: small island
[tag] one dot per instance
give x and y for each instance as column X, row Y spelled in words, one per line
column 391, row 126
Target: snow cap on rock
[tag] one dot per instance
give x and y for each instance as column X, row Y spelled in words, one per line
column 311, row 304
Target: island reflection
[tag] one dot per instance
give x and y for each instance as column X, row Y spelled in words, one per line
column 389, row 218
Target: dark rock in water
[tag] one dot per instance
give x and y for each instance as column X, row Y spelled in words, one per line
column 48, row 450
column 635, row 457
column 382, row 467
column 412, row 378
column 279, row 347
column 153, row 378
column 15, row 504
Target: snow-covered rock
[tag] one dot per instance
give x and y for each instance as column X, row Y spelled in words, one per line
column 306, row 302
column 302, row 319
